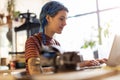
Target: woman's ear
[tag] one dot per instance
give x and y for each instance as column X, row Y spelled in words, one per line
column 48, row 18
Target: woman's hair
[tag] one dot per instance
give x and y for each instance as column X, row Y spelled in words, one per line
column 51, row 8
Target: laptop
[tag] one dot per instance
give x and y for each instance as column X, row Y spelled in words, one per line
column 114, row 56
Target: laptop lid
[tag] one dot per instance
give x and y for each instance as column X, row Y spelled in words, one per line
column 114, row 56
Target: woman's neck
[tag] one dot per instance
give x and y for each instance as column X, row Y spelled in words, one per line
column 49, row 33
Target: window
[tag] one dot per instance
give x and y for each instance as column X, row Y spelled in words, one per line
column 85, row 18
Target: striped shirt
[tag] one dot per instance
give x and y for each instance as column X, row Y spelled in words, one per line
column 33, row 45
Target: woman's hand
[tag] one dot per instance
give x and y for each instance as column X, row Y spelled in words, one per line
column 104, row 60
column 89, row 63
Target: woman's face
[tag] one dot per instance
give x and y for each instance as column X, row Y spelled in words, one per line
column 57, row 23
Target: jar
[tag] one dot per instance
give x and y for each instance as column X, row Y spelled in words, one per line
column 12, row 65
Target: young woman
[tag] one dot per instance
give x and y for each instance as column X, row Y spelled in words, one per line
column 52, row 19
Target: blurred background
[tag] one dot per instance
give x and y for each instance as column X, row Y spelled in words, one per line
column 91, row 25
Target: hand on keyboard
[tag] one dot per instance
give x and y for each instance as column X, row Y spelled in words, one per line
column 101, row 61
column 89, row 63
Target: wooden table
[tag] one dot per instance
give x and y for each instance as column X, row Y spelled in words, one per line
column 87, row 74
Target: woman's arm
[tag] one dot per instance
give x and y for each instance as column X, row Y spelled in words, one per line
column 34, row 66
column 32, row 56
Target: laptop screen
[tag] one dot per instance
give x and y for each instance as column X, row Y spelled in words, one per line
column 114, row 57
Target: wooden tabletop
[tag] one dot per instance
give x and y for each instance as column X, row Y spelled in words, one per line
column 87, row 74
